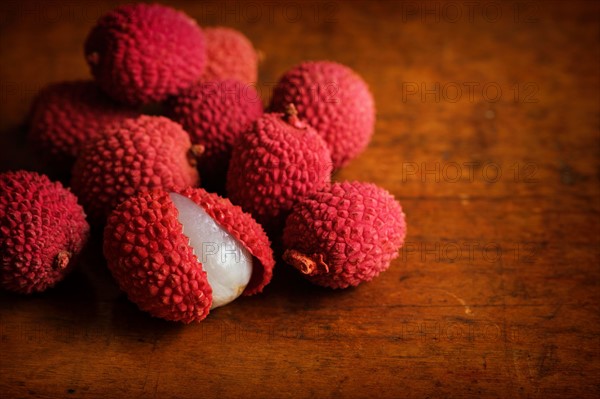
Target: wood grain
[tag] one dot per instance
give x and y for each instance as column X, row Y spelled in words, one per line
column 488, row 132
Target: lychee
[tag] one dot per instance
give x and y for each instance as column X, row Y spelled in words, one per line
column 334, row 100
column 137, row 155
column 279, row 161
column 345, row 234
column 42, row 231
column 215, row 114
column 178, row 255
column 230, row 55
column 67, row 114
column 143, row 53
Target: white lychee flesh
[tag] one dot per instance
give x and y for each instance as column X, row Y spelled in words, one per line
column 227, row 263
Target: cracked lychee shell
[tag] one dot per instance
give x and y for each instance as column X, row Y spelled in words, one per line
column 42, row 231
column 163, row 250
column 345, row 234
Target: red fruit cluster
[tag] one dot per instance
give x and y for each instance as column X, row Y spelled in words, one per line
column 215, row 114
column 276, row 167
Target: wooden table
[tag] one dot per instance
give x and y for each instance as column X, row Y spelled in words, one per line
column 487, row 132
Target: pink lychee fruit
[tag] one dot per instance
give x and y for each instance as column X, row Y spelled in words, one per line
column 273, row 165
column 345, row 234
column 230, row 55
column 65, row 115
column 42, row 231
column 143, row 53
column 179, row 255
column 137, row 155
column 334, row 100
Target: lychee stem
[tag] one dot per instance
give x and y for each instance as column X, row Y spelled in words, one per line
column 304, row 263
column 194, row 153
column 291, row 117
column 62, row 260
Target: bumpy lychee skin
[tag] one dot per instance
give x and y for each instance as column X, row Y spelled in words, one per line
column 67, row 114
column 143, row 53
column 137, row 155
column 42, row 231
column 230, row 55
column 153, row 262
column 345, row 234
column 335, row 101
column 278, row 162
column 215, row 114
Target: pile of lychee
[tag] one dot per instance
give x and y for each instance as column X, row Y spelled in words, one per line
column 169, row 150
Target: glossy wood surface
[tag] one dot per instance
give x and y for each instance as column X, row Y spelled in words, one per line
column 487, row 132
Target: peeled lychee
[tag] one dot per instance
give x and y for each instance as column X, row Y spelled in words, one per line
column 137, row 155
column 275, row 164
column 215, row 114
column 143, row 53
column 230, row 55
column 179, row 255
column 345, row 234
column 42, row 230
column 334, row 100
column 65, row 115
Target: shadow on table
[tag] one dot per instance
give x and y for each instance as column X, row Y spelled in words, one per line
column 296, row 294
column 72, row 301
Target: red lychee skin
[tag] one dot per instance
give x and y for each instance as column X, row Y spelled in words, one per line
column 335, row 101
column 137, row 155
column 150, row 257
column 275, row 164
column 345, row 234
column 215, row 114
column 230, row 55
column 42, row 231
column 65, row 115
column 244, row 228
column 143, row 53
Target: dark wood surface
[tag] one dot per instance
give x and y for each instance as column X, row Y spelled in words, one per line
column 496, row 293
